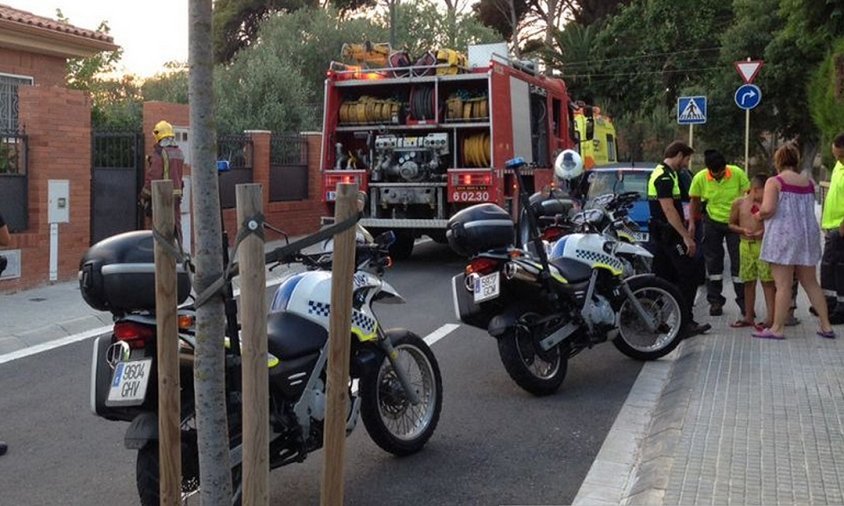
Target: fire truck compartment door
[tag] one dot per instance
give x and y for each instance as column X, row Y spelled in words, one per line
column 520, row 109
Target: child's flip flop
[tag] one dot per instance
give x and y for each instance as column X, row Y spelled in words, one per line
column 767, row 334
column 827, row 335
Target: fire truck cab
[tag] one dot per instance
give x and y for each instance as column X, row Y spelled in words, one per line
column 425, row 141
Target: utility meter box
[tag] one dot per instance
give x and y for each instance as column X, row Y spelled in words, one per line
column 58, row 201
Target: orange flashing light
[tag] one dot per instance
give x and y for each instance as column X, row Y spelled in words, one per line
column 186, row 321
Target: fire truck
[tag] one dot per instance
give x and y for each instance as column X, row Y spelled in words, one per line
column 425, row 141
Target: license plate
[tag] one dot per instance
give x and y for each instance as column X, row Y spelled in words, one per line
column 331, row 196
column 641, row 236
column 129, row 383
column 487, row 287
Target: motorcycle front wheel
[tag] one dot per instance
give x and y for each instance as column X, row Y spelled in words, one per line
column 661, row 300
column 392, row 421
column 538, row 372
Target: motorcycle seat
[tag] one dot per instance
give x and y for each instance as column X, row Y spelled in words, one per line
column 573, row 270
column 291, row 336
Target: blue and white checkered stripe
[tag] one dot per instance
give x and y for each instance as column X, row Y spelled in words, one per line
column 359, row 319
column 319, row 308
column 363, row 322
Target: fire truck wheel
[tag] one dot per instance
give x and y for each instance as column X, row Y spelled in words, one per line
column 403, row 247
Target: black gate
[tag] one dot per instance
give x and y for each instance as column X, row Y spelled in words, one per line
column 288, row 167
column 237, row 150
column 117, row 175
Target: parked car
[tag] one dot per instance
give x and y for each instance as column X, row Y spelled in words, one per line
column 624, row 177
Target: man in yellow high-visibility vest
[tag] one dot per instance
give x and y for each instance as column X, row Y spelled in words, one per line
column 718, row 186
column 672, row 244
column 832, row 223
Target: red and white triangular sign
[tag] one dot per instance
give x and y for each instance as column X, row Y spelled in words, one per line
column 748, row 69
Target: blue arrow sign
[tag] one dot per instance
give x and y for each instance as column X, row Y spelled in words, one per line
column 691, row 110
column 748, row 96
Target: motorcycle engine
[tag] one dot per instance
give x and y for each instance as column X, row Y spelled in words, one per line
column 601, row 313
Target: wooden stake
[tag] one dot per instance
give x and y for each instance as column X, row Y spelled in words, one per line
column 256, row 418
column 339, row 332
column 169, row 446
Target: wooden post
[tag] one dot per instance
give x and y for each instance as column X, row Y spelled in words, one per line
column 169, row 446
column 256, row 418
column 339, row 332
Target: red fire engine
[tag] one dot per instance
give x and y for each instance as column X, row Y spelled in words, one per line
column 424, row 142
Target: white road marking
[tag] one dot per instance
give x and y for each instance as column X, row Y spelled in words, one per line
column 32, row 350
column 440, row 333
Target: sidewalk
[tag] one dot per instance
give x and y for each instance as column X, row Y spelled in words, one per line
column 50, row 313
column 730, row 419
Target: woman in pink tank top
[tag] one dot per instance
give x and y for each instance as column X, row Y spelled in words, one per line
column 792, row 240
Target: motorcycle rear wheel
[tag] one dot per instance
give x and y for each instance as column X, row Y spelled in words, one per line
column 660, row 299
column 527, row 367
column 147, row 474
column 393, row 423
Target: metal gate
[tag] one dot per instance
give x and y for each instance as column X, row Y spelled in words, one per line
column 117, row 175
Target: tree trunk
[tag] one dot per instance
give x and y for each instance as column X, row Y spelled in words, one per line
column 209, row 368
column 515, row 21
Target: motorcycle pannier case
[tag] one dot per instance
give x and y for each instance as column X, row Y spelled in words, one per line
column 481, row 227
column 118, row 274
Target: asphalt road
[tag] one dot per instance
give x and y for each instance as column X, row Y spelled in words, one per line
column 495, row 444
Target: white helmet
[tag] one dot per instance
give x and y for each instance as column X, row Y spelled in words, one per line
column 568, row 165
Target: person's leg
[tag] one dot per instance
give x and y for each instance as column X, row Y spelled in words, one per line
column 733, row 249
column 688, row 287
column 769, row 290
column 713, row 254
column 749, row 288
column 783, row 275
column 829, row 264
column 809, row 282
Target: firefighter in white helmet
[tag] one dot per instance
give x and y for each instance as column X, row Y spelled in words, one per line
column 165, row 162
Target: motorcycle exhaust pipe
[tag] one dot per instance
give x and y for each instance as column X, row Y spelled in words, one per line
column 514, row 271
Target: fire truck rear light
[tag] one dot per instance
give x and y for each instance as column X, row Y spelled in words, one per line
column 469, row 179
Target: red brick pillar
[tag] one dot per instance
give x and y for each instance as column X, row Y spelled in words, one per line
column 261, row 160
column 314, row 170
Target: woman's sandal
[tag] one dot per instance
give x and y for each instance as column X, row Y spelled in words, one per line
column 767, row 334
column 741, row 324
column 830, row 334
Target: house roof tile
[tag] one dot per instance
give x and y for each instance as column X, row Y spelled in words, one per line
column 27, row 18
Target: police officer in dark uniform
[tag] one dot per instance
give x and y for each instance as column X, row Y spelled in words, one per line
column 673, row 246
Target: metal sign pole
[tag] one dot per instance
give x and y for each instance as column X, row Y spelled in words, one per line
column 746, row 139
column 691, row 135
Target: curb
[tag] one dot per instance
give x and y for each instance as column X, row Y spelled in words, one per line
column 617, row 467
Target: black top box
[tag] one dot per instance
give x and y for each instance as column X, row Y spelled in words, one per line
column 118, row 274
column 481, row 227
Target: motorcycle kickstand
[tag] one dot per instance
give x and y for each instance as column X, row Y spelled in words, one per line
column 392, row 355
column 643, row 314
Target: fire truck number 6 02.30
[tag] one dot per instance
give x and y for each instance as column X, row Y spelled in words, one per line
column 470, row 196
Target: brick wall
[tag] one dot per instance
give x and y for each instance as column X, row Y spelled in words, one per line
column 58, row 126
column 45, row 70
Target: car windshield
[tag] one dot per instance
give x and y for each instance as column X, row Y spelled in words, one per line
column 618, row 181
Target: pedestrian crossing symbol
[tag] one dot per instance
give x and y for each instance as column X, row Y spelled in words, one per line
column 691, row 110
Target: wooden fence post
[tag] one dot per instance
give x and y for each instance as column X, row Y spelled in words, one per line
column 256, row 418
column 169, row 446
column 340, row 329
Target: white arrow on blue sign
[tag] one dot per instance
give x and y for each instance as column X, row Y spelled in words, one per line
column 748, row 96
column 691, row 110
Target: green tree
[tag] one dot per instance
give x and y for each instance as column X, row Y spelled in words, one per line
column 171, row 85
column 424, row 27
column 237, row 22
column 826, row 98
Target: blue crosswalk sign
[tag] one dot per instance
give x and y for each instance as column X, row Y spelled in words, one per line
column 691, row 110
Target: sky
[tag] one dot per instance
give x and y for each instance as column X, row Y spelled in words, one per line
column 151, row 32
